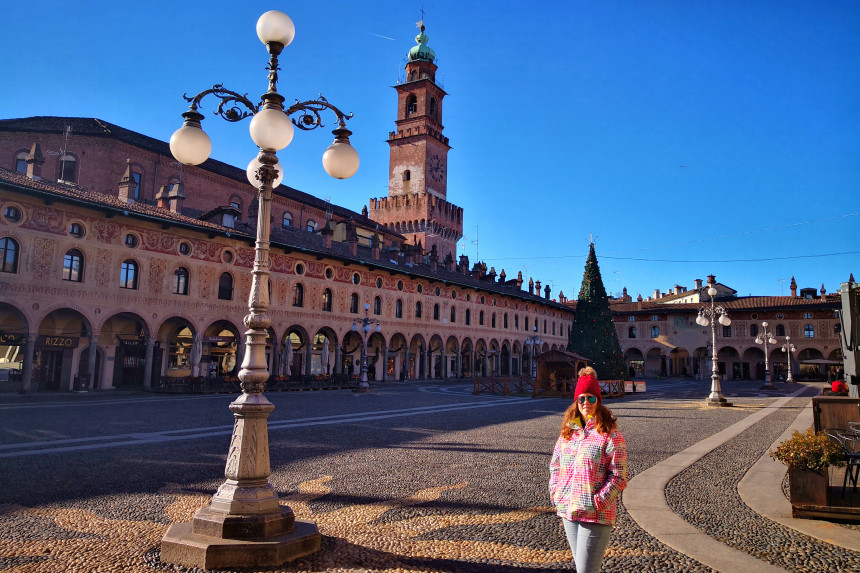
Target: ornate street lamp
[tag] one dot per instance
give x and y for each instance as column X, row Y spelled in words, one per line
column 766, row 338
column 534, row 340
column 716, row 314
column 788, row 348
column 244, row 524
column 365, row 328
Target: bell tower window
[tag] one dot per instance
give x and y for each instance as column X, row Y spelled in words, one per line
column 407, row 175
column 411, row 105
column 433, row 108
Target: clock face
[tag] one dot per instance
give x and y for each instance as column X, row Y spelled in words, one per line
column 436, row 168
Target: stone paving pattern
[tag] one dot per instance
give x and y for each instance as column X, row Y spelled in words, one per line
column 460, row 491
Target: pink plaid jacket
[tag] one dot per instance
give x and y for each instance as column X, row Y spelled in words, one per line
column 587, row 473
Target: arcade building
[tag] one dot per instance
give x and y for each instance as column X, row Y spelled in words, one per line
column 117, row 268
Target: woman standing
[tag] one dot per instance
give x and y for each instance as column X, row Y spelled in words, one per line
column 587, row 473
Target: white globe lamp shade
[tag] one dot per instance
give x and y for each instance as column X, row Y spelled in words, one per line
column 712, row 291
column 251, row 172
column 275, row 26
column 764, row 324
column 725, row 320
column 758, row 340
column 271, row 129
column 340, row 160
column 190, row 145
column 772, row 341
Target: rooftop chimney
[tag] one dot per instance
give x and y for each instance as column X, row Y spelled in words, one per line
column 35, row 160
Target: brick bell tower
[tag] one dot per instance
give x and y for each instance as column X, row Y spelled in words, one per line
column 417, row 205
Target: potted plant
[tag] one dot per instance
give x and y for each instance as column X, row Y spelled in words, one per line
column 808, row 456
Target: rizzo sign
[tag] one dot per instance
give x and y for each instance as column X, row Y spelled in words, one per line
column 57, row 341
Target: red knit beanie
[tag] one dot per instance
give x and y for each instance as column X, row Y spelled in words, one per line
column 588, row 385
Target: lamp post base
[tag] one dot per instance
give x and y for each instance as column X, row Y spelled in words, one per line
column 182, row 545
column 718, row 401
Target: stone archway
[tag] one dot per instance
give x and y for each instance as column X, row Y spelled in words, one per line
column 63, row 335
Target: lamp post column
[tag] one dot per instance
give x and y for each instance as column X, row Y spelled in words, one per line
column 711, row 315
column 766, row 338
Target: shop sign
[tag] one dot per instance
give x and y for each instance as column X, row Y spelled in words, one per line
column 12, row 339
column 57, row 341
column 218, row 339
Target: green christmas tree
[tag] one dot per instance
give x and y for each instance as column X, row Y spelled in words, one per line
column 593, row 334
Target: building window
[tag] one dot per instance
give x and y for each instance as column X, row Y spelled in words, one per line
column 544, row 326
column 353, row 303
column 400, row 285
column 356, row 279
column 727, row 331
column 228, row 220
column 481, row 318
column 419, row 288
column 377, row 305
column 138, row 179
column 131, row 241
column 398, row 309
column 807, row 315
column 493, row 320
column 329, row 273
column 411, row 105
column 809, row 331
column 68, row 169
column 631, row 318
column 378, row 282
column 753, row 330
column 225, row 286
column 180, row 281
column 453, row 315
column 436, row 311
column 312, row 226
column 184, row 249
column 837, row 329
column 516, row 322
column 438, row 291
column 128, row 274
column 553, row 329
column 655, row 331
column 73, row 266
column 406, row 175
column 326, row 300
column 299, row 295
column 780, row 330
column 12, row 214
column 418, row 309
column 21, row 162
column 468, row 317
column 287, row 220
column 505, row 321
column 433, row 107
column 631, row 332
column 655, row 317
column 300, row 269
column 8, row 255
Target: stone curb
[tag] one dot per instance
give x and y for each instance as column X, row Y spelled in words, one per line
column 761, row 490
column 645, row 501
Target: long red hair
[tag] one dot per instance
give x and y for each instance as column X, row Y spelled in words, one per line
column 604, row 421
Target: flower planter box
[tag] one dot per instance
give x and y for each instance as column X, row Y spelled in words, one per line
column 808, row 487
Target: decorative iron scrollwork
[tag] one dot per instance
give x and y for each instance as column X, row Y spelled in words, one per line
column 228, row 98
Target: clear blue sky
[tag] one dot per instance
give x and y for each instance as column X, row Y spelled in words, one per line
column 689, row 137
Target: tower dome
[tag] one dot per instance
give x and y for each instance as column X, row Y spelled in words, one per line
column 422, row 51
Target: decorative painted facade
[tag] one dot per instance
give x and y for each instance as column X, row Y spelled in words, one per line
column 116, row 269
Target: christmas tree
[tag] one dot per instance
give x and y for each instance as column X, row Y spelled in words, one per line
column 593, row 334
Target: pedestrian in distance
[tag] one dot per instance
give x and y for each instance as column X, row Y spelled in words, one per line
column 587, row 473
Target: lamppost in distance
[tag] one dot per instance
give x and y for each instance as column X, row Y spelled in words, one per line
column 788, row 348
column 534, row 340
column 244, row 525
column 711, row 315
column 366, row 328
column 766, row 337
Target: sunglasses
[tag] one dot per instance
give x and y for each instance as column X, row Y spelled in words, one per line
column 591, row 399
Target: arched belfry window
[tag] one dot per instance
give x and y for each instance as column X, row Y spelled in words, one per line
column 433, row 108
column 411, row 105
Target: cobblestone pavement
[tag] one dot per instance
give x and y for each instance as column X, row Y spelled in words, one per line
column 410, row 477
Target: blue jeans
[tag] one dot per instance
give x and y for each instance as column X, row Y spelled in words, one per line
column 587, row 542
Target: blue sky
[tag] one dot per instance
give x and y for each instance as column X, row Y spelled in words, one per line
column 689, row 137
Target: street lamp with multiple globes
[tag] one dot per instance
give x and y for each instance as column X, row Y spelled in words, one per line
column 788, row 348
column 766, row 338
column 244, row 524
column 716, row 314
column 365, row 328
column 534, row 340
